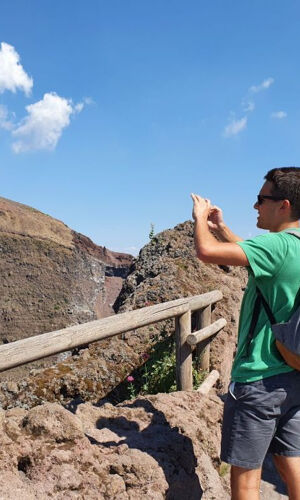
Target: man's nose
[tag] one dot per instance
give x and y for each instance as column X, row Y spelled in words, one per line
column 255, row 205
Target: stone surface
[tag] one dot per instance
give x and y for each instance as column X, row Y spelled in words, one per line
column 157, row 447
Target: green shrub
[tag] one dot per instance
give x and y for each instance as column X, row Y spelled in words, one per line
column 158, row 373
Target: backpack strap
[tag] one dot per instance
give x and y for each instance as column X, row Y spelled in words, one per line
column 294, row 233
column 266, row 306
column 260, row 300
column 253, row 324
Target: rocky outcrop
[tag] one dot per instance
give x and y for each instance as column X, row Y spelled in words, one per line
column 163, row 446
column 86, row 374
column 51, row 276
column 167, row 268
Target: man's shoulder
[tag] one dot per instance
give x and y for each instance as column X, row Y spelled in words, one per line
column 280, row 238
column 265, row 254
column 265, row 240
column 267, row 236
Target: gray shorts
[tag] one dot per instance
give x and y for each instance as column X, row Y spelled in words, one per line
column 259, row 417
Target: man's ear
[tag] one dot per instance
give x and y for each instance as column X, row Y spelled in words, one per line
column 286, row 206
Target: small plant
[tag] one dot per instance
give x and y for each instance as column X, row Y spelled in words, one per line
column 151, row 233
column 198, row 376
column 158, row 373
column 131, row 388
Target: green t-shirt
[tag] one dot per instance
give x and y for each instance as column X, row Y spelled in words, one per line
column 274, row 260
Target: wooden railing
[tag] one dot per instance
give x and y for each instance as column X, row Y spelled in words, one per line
column 46, row 344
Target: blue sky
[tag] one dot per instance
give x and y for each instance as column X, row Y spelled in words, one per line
column 113, row 112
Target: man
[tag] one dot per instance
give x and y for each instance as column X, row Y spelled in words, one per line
column 262, row 410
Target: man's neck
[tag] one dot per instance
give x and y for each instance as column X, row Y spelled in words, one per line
column 285, row 225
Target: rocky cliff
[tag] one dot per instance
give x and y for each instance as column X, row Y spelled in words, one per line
column 51, row 276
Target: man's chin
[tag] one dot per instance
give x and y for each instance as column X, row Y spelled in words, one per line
column 261, row 225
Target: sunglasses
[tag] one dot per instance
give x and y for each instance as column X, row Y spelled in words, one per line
column 262, row 197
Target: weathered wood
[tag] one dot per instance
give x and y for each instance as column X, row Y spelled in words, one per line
column 184, row 375
column 202, row 355
column 208, row 382
column 46, row 344
column 205, row 333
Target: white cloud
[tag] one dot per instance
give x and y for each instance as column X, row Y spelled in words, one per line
column 6, row 118
column 234, row 127
column 279, row 115
column 12, row 75
column 248, row 106
column 88, row 100
column 43, row 126
column 262, row 86
column 80, row 105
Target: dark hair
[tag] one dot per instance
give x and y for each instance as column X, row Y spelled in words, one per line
column 286, row 183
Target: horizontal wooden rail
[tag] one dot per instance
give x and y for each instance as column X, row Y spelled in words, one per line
column 196, row 337
column 46, row 344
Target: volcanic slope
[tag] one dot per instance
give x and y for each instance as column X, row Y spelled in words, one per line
column 51, row 276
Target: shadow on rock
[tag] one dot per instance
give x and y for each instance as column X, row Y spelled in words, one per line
column 173, row 452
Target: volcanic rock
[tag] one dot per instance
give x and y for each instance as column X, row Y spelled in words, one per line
column 166, row 269
column 51, row 276
column 158, row 447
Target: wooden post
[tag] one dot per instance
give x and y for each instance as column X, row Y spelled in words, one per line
column 203, row 319
column 210, row 380
column 206, row 333
column 184, row 375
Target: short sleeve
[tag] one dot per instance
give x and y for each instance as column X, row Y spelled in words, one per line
column 266, row 254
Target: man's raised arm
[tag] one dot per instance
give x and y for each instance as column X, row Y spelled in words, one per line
column 208, row 248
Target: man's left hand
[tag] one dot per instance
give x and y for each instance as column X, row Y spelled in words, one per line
column 201, row 207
